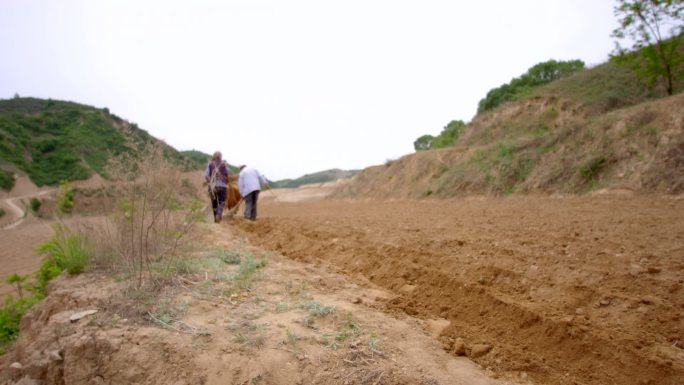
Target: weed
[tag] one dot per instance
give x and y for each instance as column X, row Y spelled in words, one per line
column 292, row 337
column 240, row 338
column 231, row 257
column 347, row 329
column 10, row 316
column 281, row 307
column 373, row 344
column 67, row 250
column 505, row 150
column 248, row 267
column 590, row 169
column 18, row 282
column 2, row 212
column 317, row 309
column 65, row 198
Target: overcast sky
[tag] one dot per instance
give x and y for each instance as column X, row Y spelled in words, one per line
column 290, row 86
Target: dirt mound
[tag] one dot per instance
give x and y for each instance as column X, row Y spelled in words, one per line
column 563, row 289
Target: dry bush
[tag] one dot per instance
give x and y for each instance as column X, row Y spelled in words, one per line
column 152, row 212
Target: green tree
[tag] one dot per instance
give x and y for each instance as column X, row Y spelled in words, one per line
column 446, row 138
column 537, row 75
column 656, row 30
column 449, row 134
column 423, row 143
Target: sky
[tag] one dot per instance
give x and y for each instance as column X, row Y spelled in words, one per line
column 290, row 87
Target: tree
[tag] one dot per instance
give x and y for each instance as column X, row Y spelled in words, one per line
column 537, row 75
column 446, row 138
column 423, row 143
column 656, row 30
column 449, row 134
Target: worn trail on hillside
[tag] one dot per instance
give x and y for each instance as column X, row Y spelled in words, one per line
column 568, row 289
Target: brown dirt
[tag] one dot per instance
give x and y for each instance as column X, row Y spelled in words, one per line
column 227, row 336
column 534, row 289
column 17, row 251
column 584, row 290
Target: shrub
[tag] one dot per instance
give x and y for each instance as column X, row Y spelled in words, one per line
column 10, row 317
column 2, row 212
column 151, row 214
column 6, row 180
column 590, row 169
column 35, row 204
column 67, row 250
column 65, row 198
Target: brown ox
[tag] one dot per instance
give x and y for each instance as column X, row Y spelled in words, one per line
column 233, row 196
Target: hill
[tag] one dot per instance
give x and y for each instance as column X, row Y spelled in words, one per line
column 51, row 140
column 198, row 158
column 317, row 177
column 598, row 128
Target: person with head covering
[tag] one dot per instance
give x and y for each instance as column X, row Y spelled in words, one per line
column 250, row 182
column 216, row 176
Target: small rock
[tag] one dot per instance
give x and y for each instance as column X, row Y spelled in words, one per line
column 653, row 270
column 77, row 316
column 459, row 348
column 579, row 311
column 604, row 302
column 55, row 356
column 479, row 350
column 17, row 370
column 357, row 300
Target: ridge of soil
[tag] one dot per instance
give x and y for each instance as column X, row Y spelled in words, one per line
column 568, row 289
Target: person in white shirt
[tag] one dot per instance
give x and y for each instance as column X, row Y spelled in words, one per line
column 250, row 182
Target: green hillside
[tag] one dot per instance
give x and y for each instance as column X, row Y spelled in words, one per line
column 51, row 140
column 198, row 158
column 318, row 177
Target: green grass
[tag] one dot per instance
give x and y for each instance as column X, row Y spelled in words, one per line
column 66, row 250
column 317, row 309
column 247, row 270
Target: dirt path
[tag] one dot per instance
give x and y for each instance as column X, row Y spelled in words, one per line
column 18, row 213
column 567, row 290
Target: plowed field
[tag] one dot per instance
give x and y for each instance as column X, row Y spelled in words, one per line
column 585, row 290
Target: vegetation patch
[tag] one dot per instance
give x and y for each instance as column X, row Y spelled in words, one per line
column 590, row 169
column 65, row 251
column 248, row 267
column 6, row 180
column 52, row 141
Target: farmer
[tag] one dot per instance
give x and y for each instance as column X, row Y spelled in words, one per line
column 216, row 177
column 250, row 182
